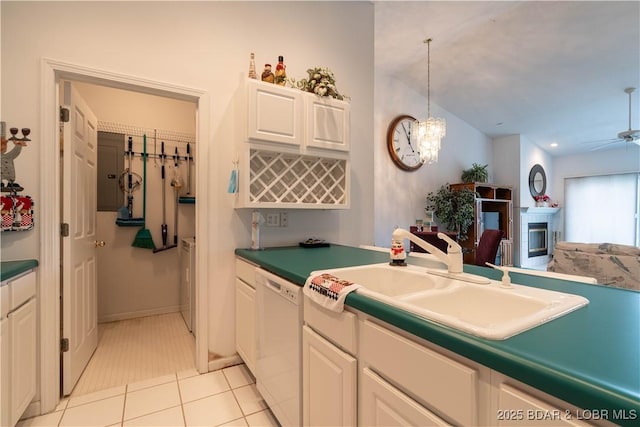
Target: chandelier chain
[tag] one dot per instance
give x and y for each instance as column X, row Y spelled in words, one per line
column 428, row 42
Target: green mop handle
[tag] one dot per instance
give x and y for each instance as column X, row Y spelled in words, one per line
column 144, row 173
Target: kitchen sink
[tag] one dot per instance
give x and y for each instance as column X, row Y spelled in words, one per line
column 391, row 281
column 486, row 310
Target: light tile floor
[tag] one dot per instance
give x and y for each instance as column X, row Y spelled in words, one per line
column 227, row 397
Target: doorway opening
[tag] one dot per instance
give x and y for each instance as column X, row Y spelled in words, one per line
column 137, row 289
column 53, row 73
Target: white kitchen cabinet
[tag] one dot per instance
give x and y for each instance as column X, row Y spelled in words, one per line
column 449, row 388
column 274, row 113
column 382, row 404
column 516, row 404
column 5, row 379
column 23, row 358
column 246, row 313
column 296, row 151
column 328, row 123
column 19, row 346
column 329, row 378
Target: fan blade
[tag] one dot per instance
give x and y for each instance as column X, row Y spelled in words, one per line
column 604, row 144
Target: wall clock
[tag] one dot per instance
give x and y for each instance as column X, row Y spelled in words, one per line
column 402, row 152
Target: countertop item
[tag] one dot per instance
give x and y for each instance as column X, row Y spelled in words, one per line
column 9, row 269
column 589, row 358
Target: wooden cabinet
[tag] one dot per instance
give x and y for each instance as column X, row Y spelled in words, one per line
column 18, row 347
column 432, row 238
column 494, row 210
column 296, row 150
column 328, row 383
column 246, row 313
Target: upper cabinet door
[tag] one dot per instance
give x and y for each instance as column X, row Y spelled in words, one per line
column 275, row 113
column 327, row 123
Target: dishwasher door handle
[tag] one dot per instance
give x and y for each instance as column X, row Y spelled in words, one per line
column 274, row 286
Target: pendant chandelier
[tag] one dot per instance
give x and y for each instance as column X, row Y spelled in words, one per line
column 426, row 134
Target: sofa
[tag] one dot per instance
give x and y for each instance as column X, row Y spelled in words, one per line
column 610, row 264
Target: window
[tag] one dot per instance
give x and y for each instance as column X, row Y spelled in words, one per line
column 603, row 209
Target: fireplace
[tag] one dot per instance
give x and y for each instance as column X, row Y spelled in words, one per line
column 538, row 239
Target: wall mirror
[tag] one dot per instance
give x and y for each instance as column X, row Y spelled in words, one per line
column 537, row 181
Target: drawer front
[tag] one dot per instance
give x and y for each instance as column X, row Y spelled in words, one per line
column 340, row 328
column 246, row 272
column 385, row 405
column 517, row 408
column 21, row 289
column 448, row 387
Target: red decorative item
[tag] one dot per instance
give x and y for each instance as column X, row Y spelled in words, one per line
column 17, row 213
column 7, row 213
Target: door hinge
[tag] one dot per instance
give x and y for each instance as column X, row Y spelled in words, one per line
column 64, row 229
column 64, row 345
column 64, row 115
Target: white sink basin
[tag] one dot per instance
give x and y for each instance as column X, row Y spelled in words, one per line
column 485, row 310
column 391, row 281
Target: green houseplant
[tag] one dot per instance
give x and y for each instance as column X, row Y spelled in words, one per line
column 476, row 173
column 454, row 209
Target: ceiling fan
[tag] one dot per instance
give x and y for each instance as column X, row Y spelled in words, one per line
column 629, row 135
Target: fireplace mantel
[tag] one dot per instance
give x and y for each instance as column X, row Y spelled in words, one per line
column 545, row 211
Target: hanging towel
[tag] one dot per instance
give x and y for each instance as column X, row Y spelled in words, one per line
column 233, row 182
column 328, row 291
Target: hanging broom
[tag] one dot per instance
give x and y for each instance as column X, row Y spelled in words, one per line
column 143, row 237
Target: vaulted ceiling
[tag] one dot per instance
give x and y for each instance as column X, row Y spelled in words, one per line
column 554, row 71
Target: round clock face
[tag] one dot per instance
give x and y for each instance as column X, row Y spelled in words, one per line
column 402, row 152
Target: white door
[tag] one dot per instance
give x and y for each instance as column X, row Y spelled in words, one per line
column 79, row 274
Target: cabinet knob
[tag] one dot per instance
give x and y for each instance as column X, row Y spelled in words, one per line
column 99, row 243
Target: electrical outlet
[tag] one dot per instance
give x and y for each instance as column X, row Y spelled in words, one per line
column 272, row 220
column 284, row 219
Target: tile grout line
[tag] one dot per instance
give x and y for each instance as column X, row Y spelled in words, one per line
column 184, row 417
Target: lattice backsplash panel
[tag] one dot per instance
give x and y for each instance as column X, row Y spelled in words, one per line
column 292, row 178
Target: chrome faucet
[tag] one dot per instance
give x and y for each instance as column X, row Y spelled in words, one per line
column 453, row 257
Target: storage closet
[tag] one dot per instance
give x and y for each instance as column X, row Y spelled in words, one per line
column 139, row 288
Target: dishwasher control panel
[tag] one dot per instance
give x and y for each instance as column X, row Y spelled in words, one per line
column 290, row 295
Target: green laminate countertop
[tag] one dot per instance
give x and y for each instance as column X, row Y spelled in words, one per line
column 9, row 269
column 589, row 358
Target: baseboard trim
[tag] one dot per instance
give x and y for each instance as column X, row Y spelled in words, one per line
column 136, row 314
column 224, row 362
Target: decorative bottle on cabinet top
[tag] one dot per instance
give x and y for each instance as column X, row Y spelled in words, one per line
column 252, row 67
column 281, row 73
column 267, row 75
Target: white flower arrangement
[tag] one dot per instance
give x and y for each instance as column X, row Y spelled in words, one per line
column 321, row 81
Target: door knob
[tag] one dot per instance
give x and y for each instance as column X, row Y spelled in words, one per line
column 99, row 243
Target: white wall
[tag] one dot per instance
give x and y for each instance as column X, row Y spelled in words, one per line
column 506, row 155
column 401, row 196
column 593, row 163
column 202, row 45
column 530, row 155
column 133, row 282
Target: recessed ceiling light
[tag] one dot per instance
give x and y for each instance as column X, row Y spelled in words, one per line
column 554, row 144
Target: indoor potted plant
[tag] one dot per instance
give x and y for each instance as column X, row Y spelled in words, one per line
column 454, row 209
column 476, row 173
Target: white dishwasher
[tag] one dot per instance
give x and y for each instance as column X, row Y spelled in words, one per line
column 279, row 346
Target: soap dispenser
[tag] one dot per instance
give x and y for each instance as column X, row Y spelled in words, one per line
column 506, row 279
